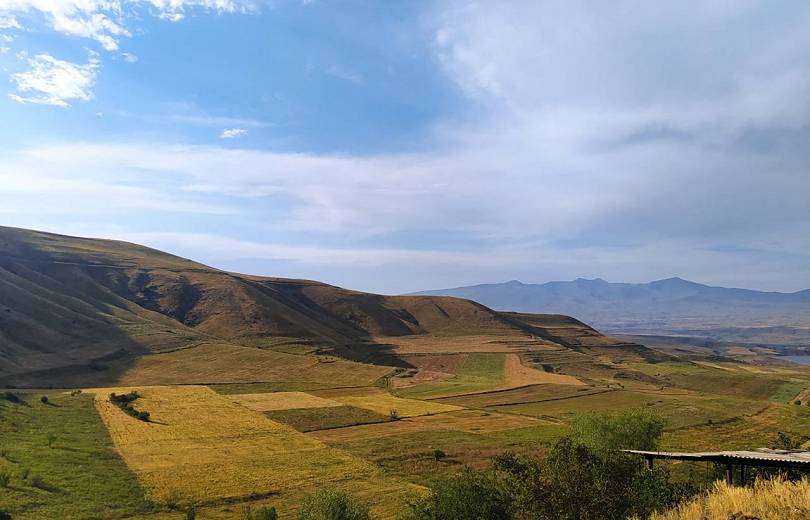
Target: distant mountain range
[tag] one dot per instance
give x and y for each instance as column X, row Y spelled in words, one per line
column 673, row 303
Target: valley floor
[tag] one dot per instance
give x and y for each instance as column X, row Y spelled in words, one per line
column 263, row 433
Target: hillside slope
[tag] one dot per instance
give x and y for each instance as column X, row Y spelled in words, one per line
column 67, row 301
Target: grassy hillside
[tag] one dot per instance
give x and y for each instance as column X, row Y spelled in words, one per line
column 76, row 311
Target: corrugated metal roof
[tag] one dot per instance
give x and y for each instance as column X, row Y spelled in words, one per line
column 763, row 454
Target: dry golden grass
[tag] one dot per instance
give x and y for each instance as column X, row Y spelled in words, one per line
column 382, row 402
column 226, row 363
column 516, row 374
column 271, row 401
column 422, row 344
column 766, row 500
column 470, row 421
column 204, row 447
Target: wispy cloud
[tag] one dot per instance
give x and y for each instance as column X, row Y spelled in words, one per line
column 345, row 74
column 55, row 82
column 233, row 133
column 105, row 20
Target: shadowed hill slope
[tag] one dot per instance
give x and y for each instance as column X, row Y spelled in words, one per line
column 68, row 301
column 72, row 306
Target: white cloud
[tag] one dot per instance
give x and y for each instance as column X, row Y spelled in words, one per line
column 55, row 82
column 8, row 22
column 233, row 133
column 105, row 20
column 129, row 57
column 4, row 50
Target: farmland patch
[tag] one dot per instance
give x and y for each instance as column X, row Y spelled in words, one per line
column 204, row 447
column 265, row 402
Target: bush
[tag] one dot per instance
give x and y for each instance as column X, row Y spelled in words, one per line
column 37, row 482
column 265, row 513
column 797, row 402
column 331, row 504
column 637, row 429
column 5, row 479
column 5, row 516
column 124, row 402
column 394, row 415
column 191, row 513
column 43, row 399
column 12, row 398
column 438, row 455
column 469, row 496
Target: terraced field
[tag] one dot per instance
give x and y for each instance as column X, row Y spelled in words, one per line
column 272, row 442
column 202, row 447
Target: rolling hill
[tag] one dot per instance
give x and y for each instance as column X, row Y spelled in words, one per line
column 74, row 310
column 655, row 307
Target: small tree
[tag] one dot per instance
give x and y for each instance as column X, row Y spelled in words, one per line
column 265, row 513
column 797, row 402
column 44, row 399
column 438, row 455
column 638, row 429
column 471, row 495
column 331, row 504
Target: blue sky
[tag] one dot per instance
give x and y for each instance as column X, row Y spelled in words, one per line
column 399, row 146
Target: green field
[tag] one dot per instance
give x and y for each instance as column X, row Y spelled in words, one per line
column 478, row 373
column 80, row 476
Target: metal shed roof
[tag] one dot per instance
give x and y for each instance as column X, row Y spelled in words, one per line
column 762, row 456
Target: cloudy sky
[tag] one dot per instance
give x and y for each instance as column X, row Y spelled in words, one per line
column 399, row 146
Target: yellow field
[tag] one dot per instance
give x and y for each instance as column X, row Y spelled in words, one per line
column 226, row 363
column 516, row 374
column 202, row 446
column 270, row 401
column 382, row 402
column 470, row 421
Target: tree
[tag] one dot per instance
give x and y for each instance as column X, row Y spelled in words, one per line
column 469, row 496
column 332, row 504
column 44, row 399
column 438, row 455
column 637, row 429
column 265, row 513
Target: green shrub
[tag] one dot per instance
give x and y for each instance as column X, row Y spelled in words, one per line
column 331, row 504
column 191, row 513
column 265, row 513
column 37, row 482
column 797, row 402
column 51, row 439
column 43, row 399
column 124, row 402
column 469, row 496
column 12, row 398
column 438, row 455
column 637, row 429
column 394, row 414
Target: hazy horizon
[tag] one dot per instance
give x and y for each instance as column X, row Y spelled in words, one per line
column 400, row 147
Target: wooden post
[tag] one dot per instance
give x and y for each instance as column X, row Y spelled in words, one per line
column 650, row 462
column 729, row 474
